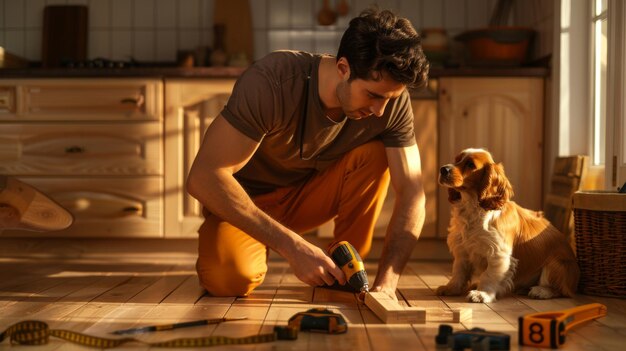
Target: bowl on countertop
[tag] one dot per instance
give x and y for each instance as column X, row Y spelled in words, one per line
column 497, row 46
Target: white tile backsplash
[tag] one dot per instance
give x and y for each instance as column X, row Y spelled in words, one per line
column 433, row 14
column 189, row 14
column 260, row 43
column 278, row 39
column 15, row 41
column 143, row 14
column 99, row 14
column 34, row 13
column 258, row 9
column 477, row 13
column 302, row 40
column 189, row 39
column 144, row 45
column 121, row 44
column 301, row 14
column 278, row 14
column 412, row 11
column 2, row 12
column 166, row 14
column 327, row 42
column 32, row 44
column 206, row 13
column 14, row 15
column 154, row 30
column 99, row 44
column 121, row 14
column 166, row 45
column 454, row 14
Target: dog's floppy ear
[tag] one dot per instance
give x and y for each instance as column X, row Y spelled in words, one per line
column 453, row 195
column 494, row 189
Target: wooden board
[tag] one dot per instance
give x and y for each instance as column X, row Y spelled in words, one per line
column 235, row 15
column 567, row 177
column 64, row 34
column 390, row 312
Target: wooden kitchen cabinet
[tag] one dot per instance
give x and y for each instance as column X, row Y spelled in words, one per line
column 190, row 107
column 117, row 152
column 87, row 99
column 93, row 145
column 503, row 115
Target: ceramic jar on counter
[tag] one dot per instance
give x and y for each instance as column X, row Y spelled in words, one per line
column 435, row 45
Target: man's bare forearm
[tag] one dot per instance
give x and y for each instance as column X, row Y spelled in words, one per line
column 223, row 196
column 403, row 231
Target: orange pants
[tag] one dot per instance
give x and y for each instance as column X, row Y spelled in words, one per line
column 352, row 190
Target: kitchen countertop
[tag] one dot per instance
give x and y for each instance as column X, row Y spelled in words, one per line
column 233, row 72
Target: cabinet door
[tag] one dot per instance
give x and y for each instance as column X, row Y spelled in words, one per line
column 503, row 115
column 7, row 101
column 191, row 106
column 82, row 99
column 46, row 149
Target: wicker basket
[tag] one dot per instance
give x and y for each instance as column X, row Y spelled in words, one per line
column 600, row 227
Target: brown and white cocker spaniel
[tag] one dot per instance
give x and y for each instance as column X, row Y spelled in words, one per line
column 498, row 246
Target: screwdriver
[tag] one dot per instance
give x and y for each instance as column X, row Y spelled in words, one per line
column 152, row 328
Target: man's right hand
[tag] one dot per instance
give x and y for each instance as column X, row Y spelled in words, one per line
column 313, row 266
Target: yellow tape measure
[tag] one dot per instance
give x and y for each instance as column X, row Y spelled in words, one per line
column 38, row 333
column 548, row 329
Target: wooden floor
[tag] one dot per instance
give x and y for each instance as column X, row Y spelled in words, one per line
column 98, row 292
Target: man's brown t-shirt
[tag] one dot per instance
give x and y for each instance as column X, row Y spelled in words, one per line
column 267, row 104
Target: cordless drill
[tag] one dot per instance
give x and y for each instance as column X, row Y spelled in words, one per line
column 347, row 258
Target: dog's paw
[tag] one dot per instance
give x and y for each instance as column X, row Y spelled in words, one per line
column 447, row 290
column 541, row 292
column 480, row 296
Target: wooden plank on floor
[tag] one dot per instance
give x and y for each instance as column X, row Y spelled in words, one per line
column 390, row 312
column 159, row 289
column 389, row 337
column 125, row 291
column 189, row 292
column 34, row 303
column 418, row 294
column 80, row 320
column 334, row 299
column 13, row 294
column 17, row 272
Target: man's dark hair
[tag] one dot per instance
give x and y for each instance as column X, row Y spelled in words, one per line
column 380, row 40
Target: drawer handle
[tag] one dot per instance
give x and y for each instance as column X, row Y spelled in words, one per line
column 74, row 150
column 131, row 209
column 134, row 101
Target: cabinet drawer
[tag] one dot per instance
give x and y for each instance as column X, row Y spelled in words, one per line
column 81, row 149
column 88, row 99
column 104, row 207
column 7, row 100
